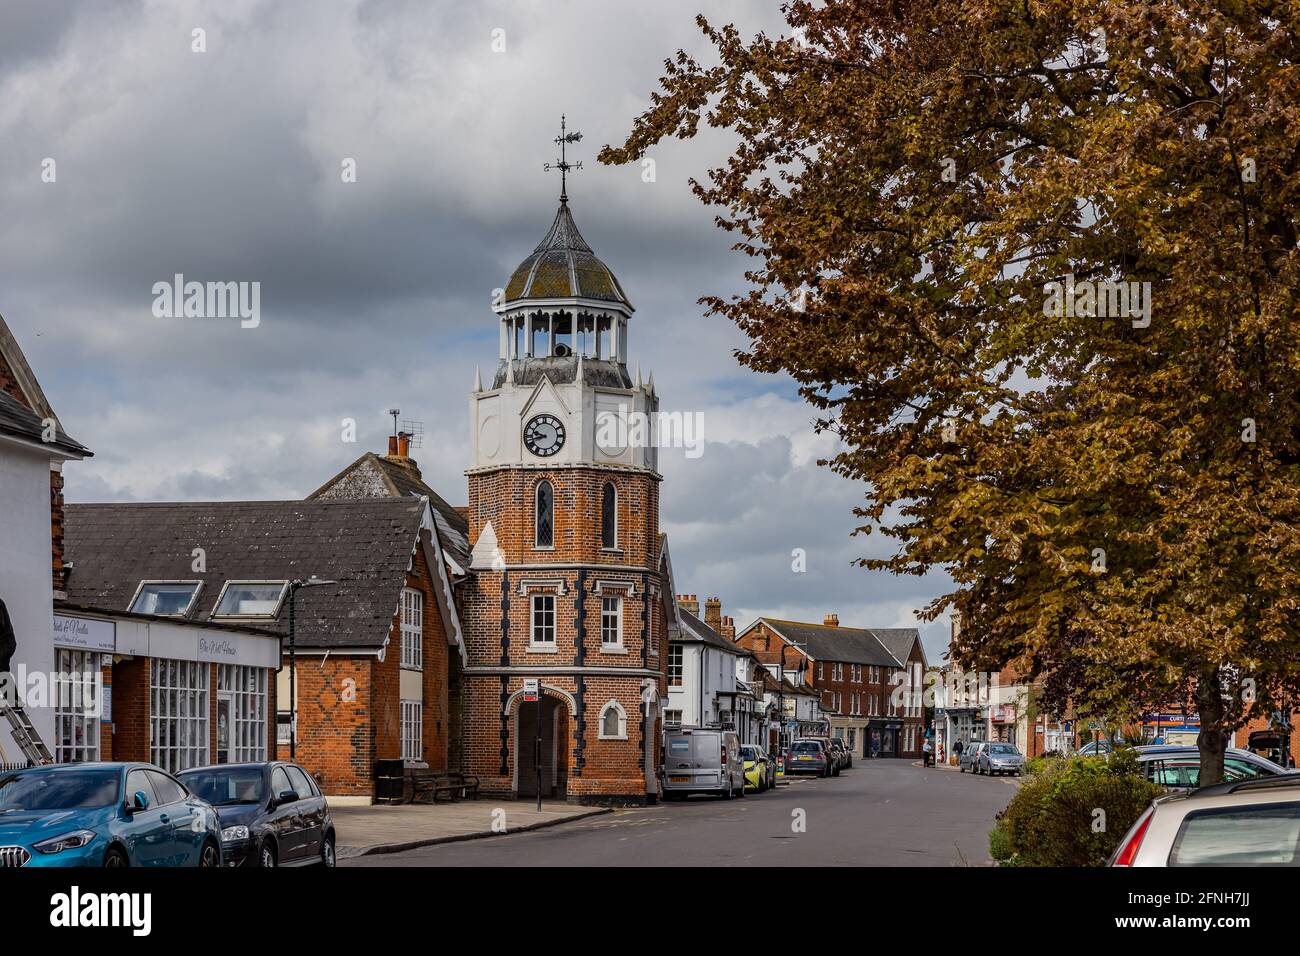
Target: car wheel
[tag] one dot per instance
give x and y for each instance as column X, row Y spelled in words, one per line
column 115, row 858
column 327, row 852
column 209, row 856
column 266, row 855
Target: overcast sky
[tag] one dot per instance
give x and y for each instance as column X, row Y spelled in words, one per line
column 225, row 166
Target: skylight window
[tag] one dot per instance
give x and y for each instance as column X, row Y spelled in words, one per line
column 169, row 598
column 250, row 599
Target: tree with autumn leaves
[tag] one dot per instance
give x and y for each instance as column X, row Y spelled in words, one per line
column 1035, row 263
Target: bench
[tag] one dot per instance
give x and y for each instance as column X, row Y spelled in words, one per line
column 434, row 783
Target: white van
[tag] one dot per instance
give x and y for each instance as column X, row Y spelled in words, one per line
column 703, row 761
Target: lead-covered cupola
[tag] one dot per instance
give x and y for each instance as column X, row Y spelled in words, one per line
column 563, row 309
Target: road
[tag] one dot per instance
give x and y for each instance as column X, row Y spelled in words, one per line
column 880, row 813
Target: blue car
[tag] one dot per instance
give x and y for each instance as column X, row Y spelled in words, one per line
column 104, row 814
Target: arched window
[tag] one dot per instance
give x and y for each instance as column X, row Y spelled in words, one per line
column 609, row 516
column 545, row 516
column 613, row 722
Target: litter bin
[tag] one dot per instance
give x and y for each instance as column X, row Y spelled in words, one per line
column 390, row 781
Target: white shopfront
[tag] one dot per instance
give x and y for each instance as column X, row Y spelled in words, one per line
column 207, row 687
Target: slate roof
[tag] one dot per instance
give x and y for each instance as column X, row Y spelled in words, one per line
column 26, row 421
column 698, row 632
column 853, row 645
column 563, row 266
column 19, row 421
column 365, row 545
column 395, row 480
column 899, row 640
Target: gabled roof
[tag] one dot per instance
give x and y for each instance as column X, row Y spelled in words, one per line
column 899, row 641
column 373, row 476
column 852, row 645
column 696, row 631
column 366, row 545
column 24, row 408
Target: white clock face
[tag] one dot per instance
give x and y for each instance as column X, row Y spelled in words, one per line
column 544, row 435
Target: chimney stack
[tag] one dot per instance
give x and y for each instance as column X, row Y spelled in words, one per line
column 728, row 629
column 689, row 602
column 713, row 613
column 832, row 620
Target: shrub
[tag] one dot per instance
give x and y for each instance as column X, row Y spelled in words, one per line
column 1053, row 819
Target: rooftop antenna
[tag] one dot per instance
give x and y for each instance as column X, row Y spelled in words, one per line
column 562, row 164
column 394, row 412
column 414, row 431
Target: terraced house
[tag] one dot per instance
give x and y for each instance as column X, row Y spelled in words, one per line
column 870, row 680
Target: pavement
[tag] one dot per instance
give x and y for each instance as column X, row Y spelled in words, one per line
column 365, row 830
column 880, row 813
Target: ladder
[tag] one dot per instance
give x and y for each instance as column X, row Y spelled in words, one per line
column 25, row 734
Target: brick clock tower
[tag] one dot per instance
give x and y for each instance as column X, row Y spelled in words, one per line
column 565, row 585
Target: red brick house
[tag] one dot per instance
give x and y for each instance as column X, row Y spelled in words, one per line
column 870, row 680
column 377, row 651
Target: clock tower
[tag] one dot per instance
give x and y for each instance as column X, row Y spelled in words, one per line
column 565, row 585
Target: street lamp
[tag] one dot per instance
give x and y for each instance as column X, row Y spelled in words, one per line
column 781, row 686
column 294, row 587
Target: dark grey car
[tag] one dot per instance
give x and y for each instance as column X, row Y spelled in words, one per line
column 272, row 814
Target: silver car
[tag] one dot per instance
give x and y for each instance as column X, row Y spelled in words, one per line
column 1179, row 768
column 999, row 758
column 970, row 755
column 1245, row 823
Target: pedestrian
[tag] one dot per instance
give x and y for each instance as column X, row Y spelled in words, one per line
column 941, row 753
column 875, row 746
column 926, row 753
column 957, row 748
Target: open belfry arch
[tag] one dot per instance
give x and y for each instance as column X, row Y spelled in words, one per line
column 566, row 576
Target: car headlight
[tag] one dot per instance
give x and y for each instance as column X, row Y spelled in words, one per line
column 69, row 841
column 231, row 834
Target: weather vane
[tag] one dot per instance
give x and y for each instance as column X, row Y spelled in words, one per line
column 562, row 164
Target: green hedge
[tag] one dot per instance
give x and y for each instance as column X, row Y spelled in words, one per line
column 1054, row 818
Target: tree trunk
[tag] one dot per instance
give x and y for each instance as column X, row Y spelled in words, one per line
column 1210, row 741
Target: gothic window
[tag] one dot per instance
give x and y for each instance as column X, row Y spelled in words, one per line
column 545, row 517
column 613, row 722
column 609, row 516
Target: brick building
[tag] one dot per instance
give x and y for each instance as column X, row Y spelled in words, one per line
column 869, row 680
column 378, row 648
column 570, row 579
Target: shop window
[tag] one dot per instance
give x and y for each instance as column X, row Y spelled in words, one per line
column 77, row 704
column 178, row 714
column 245, row 713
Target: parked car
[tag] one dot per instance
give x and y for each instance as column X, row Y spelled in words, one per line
column 1095, row 749
column 844, row 754
column 998, row 758
column 272, row 814
column 104, row 814
column 702, row 761
column 1242, row 823
column 809, row 756
column 1179, row 768
column 760, row 771
column 970, row 755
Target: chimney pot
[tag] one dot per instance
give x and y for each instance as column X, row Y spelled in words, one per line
column 403, row 445
column 832, row 620
column 392, row 446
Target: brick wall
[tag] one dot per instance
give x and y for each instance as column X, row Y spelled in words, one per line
column 131, row 709
column 9, row 382
column 335, row 742
column 497, row 620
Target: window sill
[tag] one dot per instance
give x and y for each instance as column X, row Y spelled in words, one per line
column 618, row 551
column 613, row 649
column 418, row 668
column 603, row 737
column 543, row 547
column 543, row 649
